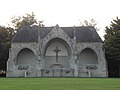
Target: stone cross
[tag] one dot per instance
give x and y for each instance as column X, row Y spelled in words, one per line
column 56, row 51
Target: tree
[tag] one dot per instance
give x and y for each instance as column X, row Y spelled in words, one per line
column 26, row 20
column 112, row 46
column 6, row 34
column 92, row 22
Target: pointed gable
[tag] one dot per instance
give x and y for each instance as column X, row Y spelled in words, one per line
column 55, row 32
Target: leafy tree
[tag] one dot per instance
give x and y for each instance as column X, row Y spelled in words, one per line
column 6, row 34
column 26, row 20
column 112, row 46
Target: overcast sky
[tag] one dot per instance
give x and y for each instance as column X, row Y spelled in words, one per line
column 62, row 12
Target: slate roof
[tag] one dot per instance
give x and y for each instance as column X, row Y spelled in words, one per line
column 26, row 34
column 69, row 31
column 83, row 34
column 87, row 34
column 44, row 31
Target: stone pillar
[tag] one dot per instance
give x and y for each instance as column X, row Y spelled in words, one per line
column 75, row 54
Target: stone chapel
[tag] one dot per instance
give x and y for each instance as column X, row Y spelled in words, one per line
column 57, row 52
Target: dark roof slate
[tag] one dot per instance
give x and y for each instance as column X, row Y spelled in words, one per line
column 44, row 31
column 26, row 34
column 83, row 34
column 69, row 31
column 87, row 34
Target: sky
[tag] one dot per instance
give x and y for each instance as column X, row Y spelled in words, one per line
column 62, row 12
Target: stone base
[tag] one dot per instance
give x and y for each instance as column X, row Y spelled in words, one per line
column 55, row 73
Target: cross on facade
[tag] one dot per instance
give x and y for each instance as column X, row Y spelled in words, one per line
column 56, row 51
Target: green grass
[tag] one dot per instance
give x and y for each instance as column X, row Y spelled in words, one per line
column 59, row 84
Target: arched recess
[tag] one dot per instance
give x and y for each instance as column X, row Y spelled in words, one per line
column 54, row 59
column 26, row 56
column 88, row 56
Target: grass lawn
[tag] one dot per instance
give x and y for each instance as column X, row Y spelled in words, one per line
column 59, row 84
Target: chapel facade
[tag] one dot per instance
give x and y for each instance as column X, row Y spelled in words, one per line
column 57, row 52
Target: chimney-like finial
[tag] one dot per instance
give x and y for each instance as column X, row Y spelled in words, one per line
column 74, row 33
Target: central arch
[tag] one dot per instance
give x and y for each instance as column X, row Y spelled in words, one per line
column 57, row 54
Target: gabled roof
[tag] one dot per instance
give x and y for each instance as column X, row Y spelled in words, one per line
column 83, row 34
column 69, row 31
column 26, row 34
column 44, row 31
column 87, row 34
